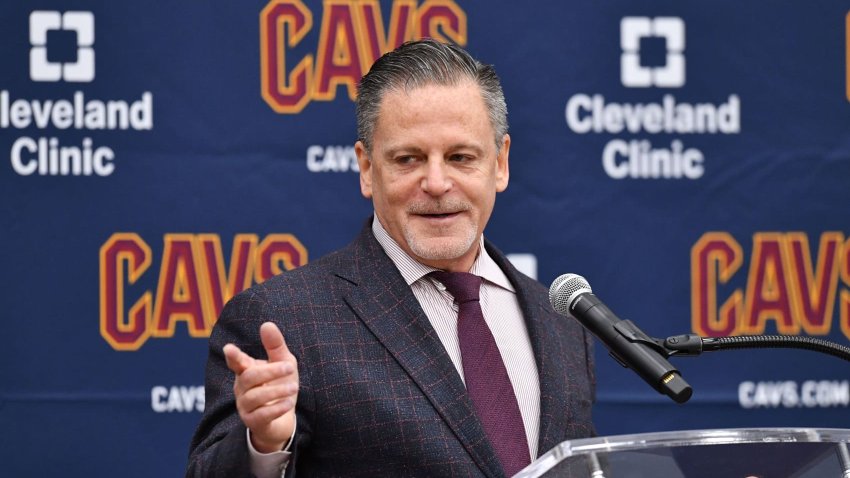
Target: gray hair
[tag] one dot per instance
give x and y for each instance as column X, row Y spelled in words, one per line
column 427, row 62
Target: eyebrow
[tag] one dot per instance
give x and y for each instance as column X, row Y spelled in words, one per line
column 394, row 150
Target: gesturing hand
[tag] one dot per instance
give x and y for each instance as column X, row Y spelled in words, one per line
column 266, row 391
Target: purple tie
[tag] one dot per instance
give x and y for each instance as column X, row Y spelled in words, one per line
column 487, row 381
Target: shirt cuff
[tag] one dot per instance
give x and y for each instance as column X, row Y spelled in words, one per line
column 269, row 465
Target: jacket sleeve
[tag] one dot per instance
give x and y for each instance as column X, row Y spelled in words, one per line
column 219, row 446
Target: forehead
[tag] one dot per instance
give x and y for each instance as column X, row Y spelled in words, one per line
column 461, row 106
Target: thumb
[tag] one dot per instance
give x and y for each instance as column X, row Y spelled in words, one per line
column 273, row 342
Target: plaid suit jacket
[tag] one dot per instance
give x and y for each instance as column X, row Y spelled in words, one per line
column 379, row 395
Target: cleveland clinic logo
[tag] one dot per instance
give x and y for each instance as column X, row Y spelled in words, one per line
column 633, row 73
column 648, row 139
column 55, row 132
column 79, row 23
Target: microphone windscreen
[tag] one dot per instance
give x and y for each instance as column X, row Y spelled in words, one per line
column 565, row 289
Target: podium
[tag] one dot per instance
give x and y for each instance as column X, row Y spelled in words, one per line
column 729, row 453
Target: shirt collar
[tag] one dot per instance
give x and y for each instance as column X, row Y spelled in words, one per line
column 412, row 270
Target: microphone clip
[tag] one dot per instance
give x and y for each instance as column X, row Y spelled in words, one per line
column 684, row 345
column 632, row 333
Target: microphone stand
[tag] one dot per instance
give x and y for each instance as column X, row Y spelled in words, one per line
column 687, row 345
column 690, row 345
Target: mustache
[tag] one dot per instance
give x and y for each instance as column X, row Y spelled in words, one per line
column 441, row 206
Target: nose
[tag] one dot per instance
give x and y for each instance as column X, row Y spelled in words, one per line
column 436, row 181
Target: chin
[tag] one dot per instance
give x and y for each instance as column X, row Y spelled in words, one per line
column 441, row 249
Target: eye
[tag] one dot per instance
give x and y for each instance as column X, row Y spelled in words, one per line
column 408, row 159
column 459, row 158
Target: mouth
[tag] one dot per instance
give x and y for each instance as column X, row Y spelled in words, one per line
column 439, row 215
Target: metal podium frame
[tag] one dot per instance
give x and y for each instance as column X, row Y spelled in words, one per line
column 735, row 453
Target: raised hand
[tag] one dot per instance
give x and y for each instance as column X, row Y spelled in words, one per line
column 266, row 390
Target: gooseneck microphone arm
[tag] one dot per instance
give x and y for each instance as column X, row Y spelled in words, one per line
column 571, row 295
column 690, row 344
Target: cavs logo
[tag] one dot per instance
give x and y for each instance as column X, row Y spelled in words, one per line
column 787, row 283
column 193, row 286
column 352, row 36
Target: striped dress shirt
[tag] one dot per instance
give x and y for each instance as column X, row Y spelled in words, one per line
column 501, row 312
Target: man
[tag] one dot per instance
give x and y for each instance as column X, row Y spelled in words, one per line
column 385, row 369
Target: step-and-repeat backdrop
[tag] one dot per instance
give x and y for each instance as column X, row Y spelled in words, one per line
column 692, row 161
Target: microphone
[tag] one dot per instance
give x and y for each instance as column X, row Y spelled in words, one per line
column 570, row 294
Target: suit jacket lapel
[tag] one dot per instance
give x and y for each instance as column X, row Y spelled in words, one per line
column 555, row 408
column 384, row 302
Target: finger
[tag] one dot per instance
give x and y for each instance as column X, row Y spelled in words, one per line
column 262, row 417
column 273, row 342
column 265, row 374
column 269, row 395
column 237, row 360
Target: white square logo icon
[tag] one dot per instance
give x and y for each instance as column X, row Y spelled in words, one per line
column 635, row 75
column 41, row 68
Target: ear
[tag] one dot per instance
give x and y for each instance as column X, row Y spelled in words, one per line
column 502, row 170
column 365, row 169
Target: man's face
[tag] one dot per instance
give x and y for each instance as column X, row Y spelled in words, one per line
column 434, row 172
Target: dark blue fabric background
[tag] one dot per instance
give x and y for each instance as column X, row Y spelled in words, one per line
column 219, row 160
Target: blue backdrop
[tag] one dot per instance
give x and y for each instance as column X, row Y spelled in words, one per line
column 692, row 161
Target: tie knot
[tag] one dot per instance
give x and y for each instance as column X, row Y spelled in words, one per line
column 463, row 286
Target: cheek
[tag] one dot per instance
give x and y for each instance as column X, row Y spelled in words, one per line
column 481, row 189
column 398, row 190
column 484, row 199
column 388, row 201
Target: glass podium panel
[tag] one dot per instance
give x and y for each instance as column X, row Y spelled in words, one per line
column 731, row 453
